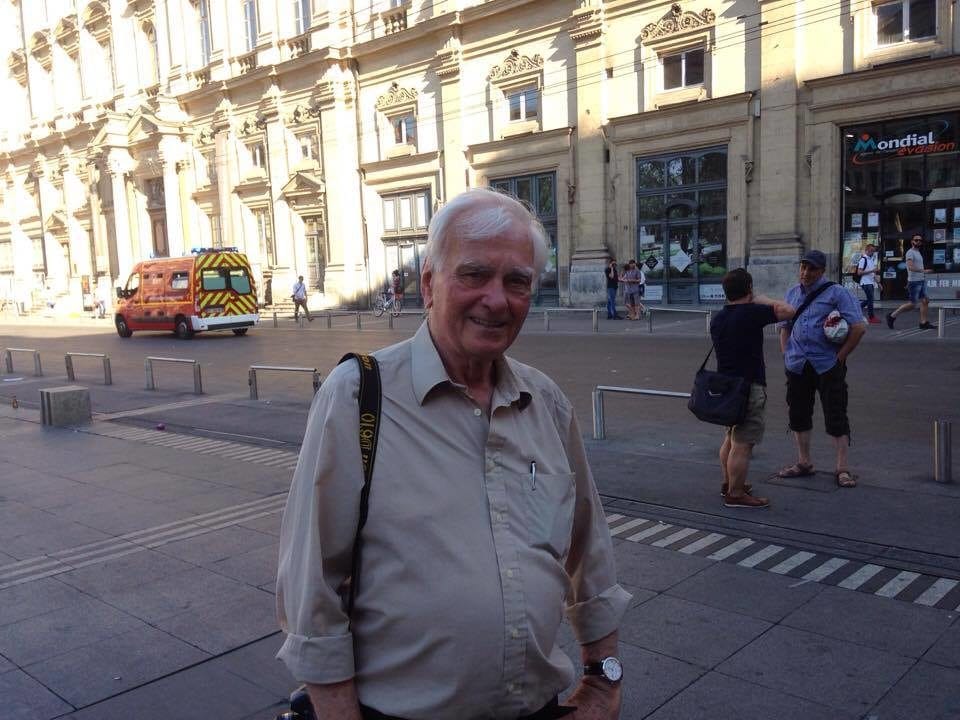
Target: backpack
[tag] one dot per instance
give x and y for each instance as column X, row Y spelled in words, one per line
column 861, row 265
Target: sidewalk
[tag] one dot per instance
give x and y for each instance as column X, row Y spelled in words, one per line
column 136, row 581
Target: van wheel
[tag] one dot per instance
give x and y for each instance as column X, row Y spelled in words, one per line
column 122, row 329
column 182, row 328
column 240, row 331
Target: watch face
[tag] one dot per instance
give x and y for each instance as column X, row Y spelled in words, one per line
column 612, row 669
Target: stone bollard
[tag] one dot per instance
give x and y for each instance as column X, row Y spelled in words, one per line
column 65, row 405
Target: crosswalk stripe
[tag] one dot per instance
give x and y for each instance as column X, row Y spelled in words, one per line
column 898, row 584
column 860, row 576
column 702, row 543
column 674, row 537
column 759, row 556
column 828, row 568
column 936, row 592
column 659, row 527
column 614, row 517
column 731, row 549
column 791, row 562
column 629, row 525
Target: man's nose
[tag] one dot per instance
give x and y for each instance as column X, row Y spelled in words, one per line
column 495, row 295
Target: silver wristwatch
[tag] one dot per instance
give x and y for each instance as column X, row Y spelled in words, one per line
column 610, row 669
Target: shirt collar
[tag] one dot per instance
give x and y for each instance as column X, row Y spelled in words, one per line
column 428, row 372
column 818, row 283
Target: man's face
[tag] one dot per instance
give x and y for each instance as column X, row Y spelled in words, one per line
column 916, row 241
column 809, row 274
column 871, row 250
column 633, row 266
column 479, row 301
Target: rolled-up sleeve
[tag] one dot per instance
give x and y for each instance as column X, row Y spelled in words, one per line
column 317, row 534
column 596, row 603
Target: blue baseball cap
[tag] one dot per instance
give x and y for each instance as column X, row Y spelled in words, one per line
column 815, row 258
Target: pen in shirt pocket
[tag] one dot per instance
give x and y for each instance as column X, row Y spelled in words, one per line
column 533, row 475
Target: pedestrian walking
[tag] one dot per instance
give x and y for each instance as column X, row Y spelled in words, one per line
column 631, row 278
column 613, row 282
column 737, row 333
column 299, row 297
column 815, row 365
column 484, row 524
column 916, row 285
column 868, row 268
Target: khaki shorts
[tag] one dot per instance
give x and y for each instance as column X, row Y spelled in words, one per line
column 750, row 431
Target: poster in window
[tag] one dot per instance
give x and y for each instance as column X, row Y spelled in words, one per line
column 956, row 214
column 956, row 234
column 873, row 219
column 939, row 256
column 856, row 220
column 940, row 235
column 940, row 216
column 956, row 255
column 852, row 249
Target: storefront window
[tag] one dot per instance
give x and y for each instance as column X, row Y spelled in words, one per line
column 405, row 220
column 901, row 178
column 682, row 224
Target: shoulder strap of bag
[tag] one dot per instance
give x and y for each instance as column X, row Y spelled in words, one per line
column 806, row 302
column 369, row 400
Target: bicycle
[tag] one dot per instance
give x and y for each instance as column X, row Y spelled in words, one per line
column 385, row 302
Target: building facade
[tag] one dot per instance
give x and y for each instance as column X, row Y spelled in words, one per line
column 319, row 137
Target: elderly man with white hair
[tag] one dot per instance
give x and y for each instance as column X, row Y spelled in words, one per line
column 484, row 525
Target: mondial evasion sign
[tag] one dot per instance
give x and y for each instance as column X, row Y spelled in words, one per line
column 869, row 148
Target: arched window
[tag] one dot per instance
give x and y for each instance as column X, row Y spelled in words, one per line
column 153, row 53
column 206, row 39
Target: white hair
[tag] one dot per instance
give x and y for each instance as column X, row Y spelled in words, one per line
column 478, row 215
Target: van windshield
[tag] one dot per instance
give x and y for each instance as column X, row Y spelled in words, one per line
column 235, row 279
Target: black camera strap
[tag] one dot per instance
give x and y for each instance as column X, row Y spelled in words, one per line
column 811, row 296
column 369, row 401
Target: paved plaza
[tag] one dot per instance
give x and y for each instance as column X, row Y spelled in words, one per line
column 137, row 564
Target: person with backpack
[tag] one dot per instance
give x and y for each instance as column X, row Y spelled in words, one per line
column 868, row 267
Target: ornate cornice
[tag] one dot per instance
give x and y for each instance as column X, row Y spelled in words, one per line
column 40, row 49
column 515, row 64
column 252, row 125
column 17, row 63
column 677, row 21
column 67, row 36
column 395, row 96
column 587, row 25
column 96, row 21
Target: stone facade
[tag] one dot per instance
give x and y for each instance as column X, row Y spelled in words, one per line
column 320, row 136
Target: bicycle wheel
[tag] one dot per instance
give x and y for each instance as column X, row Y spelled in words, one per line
column 396, row 308
column 378, row 307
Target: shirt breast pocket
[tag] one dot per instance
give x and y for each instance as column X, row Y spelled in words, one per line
column 548, row 510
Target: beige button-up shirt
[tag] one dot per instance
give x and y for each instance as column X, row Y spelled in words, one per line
column 470, row 557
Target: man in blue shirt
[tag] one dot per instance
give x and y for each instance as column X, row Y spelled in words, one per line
column 816, row 365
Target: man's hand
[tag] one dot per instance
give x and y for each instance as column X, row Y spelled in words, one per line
column 595, row 699
column 337, row 701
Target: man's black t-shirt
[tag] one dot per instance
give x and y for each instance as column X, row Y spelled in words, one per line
column 613, row 277
column 737, row 332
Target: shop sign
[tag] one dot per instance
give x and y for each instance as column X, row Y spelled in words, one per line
column 712, row 293
column 935, row 137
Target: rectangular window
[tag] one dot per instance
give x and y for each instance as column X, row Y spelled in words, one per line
column 265, row 235
column 179, row 282
column 206, row 44
column 906, row 20
column 213, row 280
column 683, row 69
column 524, row 104
column 404, row 129
column 309, row 146
column 302, row 10
column 258, row 155
column 216, row 238
column 250, row 23
column 239, row 282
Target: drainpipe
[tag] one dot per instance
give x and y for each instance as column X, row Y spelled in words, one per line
column 359, row 144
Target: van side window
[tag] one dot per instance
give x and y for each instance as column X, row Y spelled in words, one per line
column 133, row 284
column 213, row 280
column 239, row 281
column 179, row 282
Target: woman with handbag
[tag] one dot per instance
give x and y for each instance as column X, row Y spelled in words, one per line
column 737, row 333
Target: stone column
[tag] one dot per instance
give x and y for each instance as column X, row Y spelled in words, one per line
column 454, row 162
column 117, row 167
column 774, row 240
column 169, row 157
column 586, row 246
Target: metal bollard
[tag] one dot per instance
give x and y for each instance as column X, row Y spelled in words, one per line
column 650, row 318
column 275, row 319
column 329, row 320
column 596, row 320
column 68, row 361
column 709, row 317
column 941, row 321
column 358, row 321
column 148, row 369
column 7, row 362
column 316, row 382
column 197, row 382
column 300, row 321
column 942, row 452
column 390, row 320
column 546, row 320
column 252, row 382
column 107, row 372
column 598, row 430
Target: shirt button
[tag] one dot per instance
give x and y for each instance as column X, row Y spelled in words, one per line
column 509, row 573
column 514, row 633
column 499, row 517
column 478, row 412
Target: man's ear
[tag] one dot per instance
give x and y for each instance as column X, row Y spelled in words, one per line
column 426, row 284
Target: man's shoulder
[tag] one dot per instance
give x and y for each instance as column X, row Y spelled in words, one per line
column 537, row 382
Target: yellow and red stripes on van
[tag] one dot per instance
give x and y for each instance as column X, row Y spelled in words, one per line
column 231, row 302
